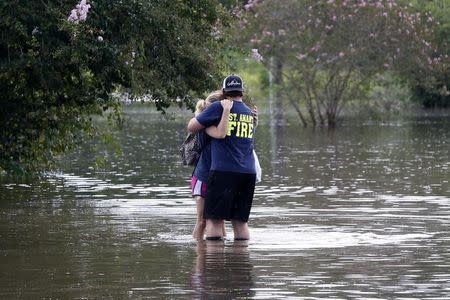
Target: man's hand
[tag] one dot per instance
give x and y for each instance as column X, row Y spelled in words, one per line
column 220, row 131
column 226, row 104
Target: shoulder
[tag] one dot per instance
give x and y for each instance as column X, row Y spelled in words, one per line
column 210, row 115
column 215, row 105
column 241, row 106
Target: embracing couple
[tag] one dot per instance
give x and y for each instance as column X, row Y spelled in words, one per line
column 224, row 179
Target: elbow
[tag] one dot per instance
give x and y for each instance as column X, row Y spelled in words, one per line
column 189, row 129
column 221, row 136
column 191, row 126
column 216, row 134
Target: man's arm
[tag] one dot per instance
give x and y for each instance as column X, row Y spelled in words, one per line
column 220, row 131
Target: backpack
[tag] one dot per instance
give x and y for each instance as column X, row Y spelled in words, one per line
column 190, row 150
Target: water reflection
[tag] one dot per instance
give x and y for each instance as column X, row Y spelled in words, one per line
column 222, row 271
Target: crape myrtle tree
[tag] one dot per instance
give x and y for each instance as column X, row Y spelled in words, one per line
column 434, row 90
column 60, row 61
column 329, row 49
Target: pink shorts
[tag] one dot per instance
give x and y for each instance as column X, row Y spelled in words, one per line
column 198, row 187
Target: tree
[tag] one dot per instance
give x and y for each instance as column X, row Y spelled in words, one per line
column 434, row 91
column 330, row 49
column 60, row 61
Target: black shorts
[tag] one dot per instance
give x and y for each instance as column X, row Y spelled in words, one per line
column 229, row 195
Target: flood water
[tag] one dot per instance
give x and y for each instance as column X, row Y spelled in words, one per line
column 359, row 212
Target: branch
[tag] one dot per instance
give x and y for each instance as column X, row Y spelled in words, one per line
column 302, row 92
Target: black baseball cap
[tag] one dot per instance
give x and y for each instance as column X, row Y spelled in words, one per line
column 233, row 83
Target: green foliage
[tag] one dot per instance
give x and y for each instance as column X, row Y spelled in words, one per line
column 388, row 94
column 330, row 49
column 433, row 89
column 256, row 81
column 255, row 75
column 56, row 74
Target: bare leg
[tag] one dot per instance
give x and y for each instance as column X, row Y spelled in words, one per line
column 200, row 224
column 214, row 228
column 224, row 232
column 240, row 229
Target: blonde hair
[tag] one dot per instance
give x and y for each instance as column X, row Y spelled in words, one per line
column 212, row 97
column 200, row 106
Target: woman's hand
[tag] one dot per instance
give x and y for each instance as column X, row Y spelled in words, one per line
column 255, row 115
column 227, row 104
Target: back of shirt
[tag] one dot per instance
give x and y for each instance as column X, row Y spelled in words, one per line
column 234, row 153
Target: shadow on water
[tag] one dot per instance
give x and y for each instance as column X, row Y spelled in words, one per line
column 358, row 212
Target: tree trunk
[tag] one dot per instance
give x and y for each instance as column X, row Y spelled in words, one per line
column 299, row 89
column 332, row 122
column 277, row 73
column 309, row 104
column 331, row 118
column 299, row 112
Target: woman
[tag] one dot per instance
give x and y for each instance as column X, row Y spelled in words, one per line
column 201, row 171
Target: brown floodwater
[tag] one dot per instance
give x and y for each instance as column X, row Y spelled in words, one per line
column 358, row 212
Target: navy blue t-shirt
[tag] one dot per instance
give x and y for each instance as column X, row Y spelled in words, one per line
column 203, row 166
column 234, row 153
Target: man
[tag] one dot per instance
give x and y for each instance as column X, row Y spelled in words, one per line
column 231, row 181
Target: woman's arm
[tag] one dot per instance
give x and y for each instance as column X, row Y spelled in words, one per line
column 220, row 131
column 255, row 116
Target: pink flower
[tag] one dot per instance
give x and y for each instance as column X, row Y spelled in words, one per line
column 250, row 4
column 256, row 55
column 73, row 17
column 315, row 48
column 35, row 31
column 79, row 13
